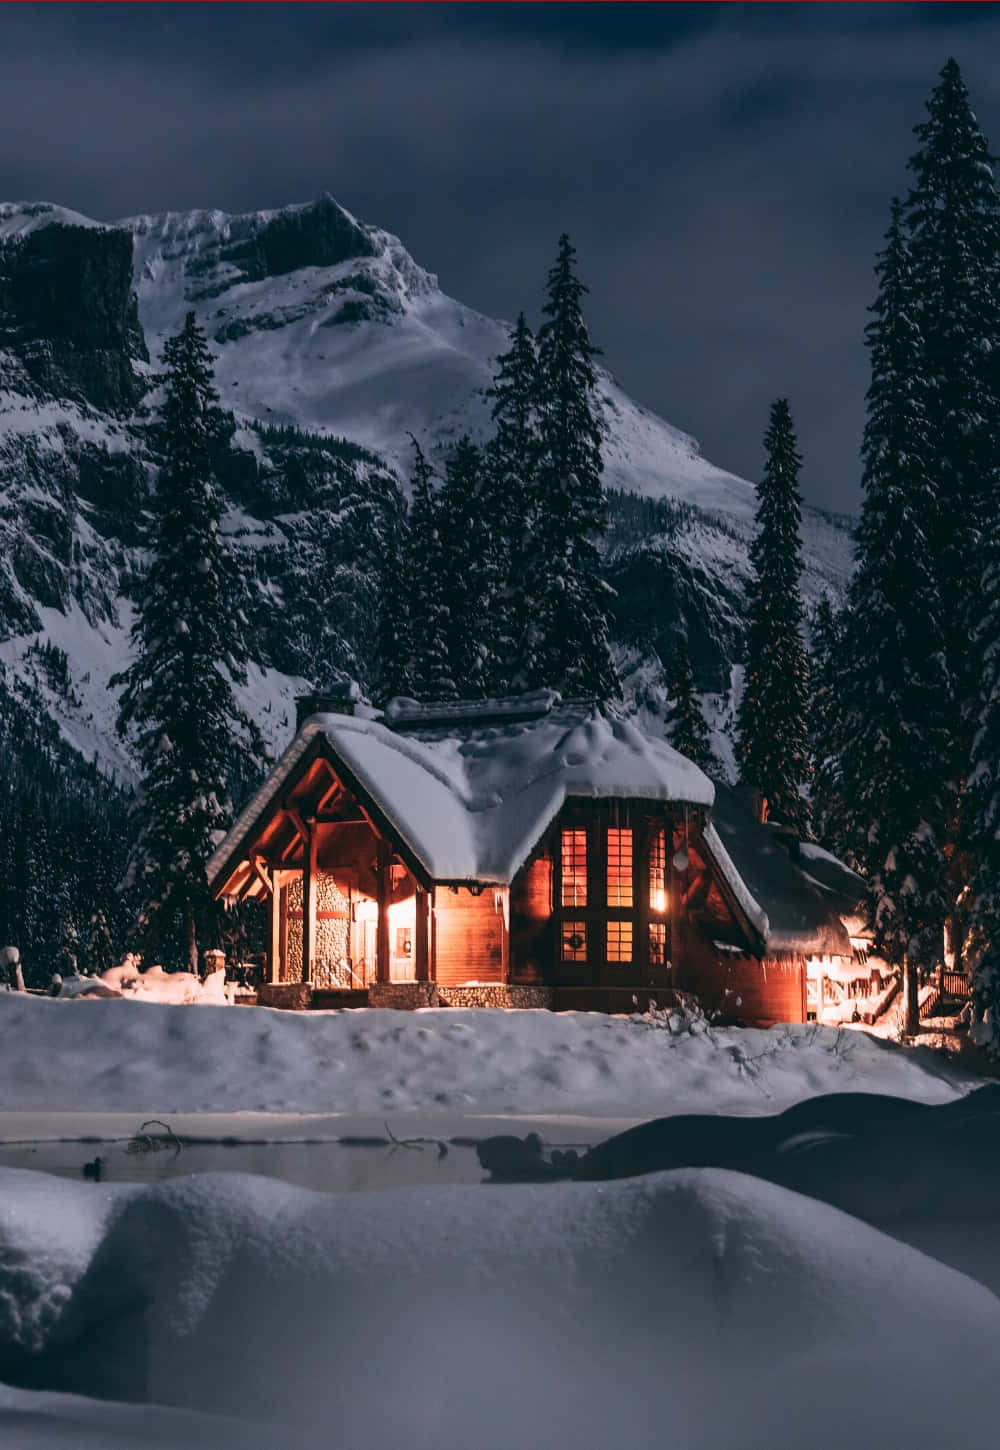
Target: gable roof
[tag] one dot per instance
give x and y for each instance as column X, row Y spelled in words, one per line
column 473, row 791
column 799, row 903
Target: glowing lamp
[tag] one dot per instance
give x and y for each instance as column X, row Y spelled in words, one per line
column 658, row 899
column 681, row 859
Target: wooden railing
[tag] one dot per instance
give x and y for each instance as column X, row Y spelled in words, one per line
column 955, row 984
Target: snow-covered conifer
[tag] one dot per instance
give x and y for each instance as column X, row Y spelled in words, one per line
column 565, row 640
column 395, row 617
column 897, row 735
column 828, row 704
column 508, row 497
column 430, row 677
column 178, row 703
column 953, row 215
column 773, row 712
column 471, row 573
column 687, row 730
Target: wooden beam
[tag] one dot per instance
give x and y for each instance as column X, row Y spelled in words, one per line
column 309, row 906
column 324, row 818
column 274, row 944
column 382, row 887
column 258, row 863
column 330, row 794
column 293, row 814
column 421, row 937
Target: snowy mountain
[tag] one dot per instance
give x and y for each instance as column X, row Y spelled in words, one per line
column 320, row 324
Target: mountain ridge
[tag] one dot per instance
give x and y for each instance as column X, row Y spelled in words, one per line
column 322, row 324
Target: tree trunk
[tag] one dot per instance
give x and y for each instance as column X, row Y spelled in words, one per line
column 191, row 933
column 910, row 987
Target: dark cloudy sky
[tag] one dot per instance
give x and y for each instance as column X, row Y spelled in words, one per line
column 724, row 170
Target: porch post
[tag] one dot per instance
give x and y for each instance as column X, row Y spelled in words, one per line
column 383, row 862
column 274, row 921
column 309, row 903
column 421, row 938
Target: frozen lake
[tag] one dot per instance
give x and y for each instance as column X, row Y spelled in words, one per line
column 326, row 1167
column 327, row 1154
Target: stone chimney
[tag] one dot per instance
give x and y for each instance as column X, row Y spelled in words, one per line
column 338, row 699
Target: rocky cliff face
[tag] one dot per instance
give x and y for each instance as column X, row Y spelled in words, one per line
column 69, row 314
column 320, row 324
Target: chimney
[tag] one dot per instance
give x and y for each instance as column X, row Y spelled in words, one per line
column 338, row 699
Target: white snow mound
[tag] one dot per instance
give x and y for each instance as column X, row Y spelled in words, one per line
column 109, row 1055
column 568, row 1314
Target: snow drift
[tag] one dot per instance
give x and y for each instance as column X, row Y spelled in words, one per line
column 153, row 1058
column 573, row 1314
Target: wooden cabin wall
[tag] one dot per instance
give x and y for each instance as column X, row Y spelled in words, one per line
column 740, row 988
column 532, row 927
column 470, row 941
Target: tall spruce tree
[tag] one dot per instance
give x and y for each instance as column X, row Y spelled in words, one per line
column 953, row 214
column 897, row 738
column 687, row 730
column 565, row 638
column 828, row 667
column 981, row 815
column 470, row 573
column 773, row 712
column 395, row 617
column 430, row 622
column 178, row 702
column 508, row 498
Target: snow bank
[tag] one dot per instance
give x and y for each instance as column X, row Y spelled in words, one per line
column 152, row 985
column 591, row 1315
column 151, row 1058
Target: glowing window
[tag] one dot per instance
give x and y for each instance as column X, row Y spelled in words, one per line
column 574, row 869
column 657, row 943
column 619, row 941
column 658, row 872
column 574, row 941
column 620, row 870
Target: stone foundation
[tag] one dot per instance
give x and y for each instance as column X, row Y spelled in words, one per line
column 408, row 996
column 293, row 996
column 495, row 994
column 403, row 996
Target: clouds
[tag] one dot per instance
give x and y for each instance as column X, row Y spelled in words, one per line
column 725, row 171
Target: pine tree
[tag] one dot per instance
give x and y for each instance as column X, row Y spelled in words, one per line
column 430, row 623
column 829, row 667
column 773, row 712
column 395, row 619
column 508, row 498
column 981, row 818
column 470, row 572
column 897, row 736
column 686, row 727
column 565, row 636
column 190, row 734
column 953, row 214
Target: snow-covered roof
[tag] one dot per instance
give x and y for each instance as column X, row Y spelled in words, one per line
column 794, row 908
column 473, row 796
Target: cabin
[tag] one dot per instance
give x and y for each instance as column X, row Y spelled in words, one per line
column 526, row 852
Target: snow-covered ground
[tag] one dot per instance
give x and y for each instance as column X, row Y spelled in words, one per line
column 111, row 1055
column 694, row 1309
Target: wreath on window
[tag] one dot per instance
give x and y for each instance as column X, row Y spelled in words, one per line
column 574, row 941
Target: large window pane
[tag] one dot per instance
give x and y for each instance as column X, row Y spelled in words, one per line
column 658, row 872
column 619, row 868
column 574, row 941
column 619, row 941
column 657, row 943
column 574, row 868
